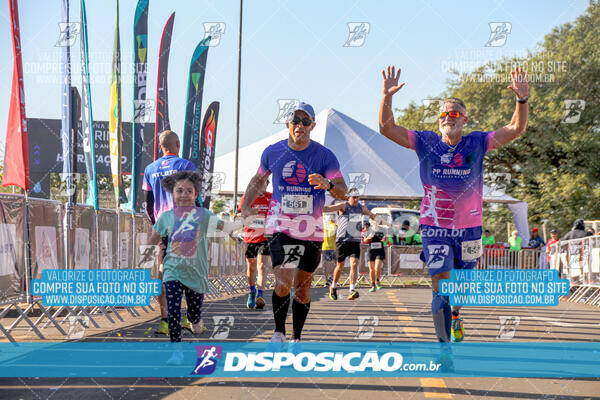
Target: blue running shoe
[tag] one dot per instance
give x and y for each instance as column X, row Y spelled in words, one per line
column 251, row 300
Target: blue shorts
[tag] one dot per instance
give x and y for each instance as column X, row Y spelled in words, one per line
column 446, row 249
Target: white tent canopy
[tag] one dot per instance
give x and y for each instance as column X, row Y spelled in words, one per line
column 380, row 168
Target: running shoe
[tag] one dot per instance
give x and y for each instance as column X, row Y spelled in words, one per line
column 353, row 295
column 198, row 328
column 446, row 364
column 277, row 343
column 251, row 300
column 378, row 285
column 260, row 303
column 185, row 323
column 458, row 330
column 176, row 358
column 163, row 328
column 278, row 337
column 373, row 288
column 294, row 347
column 332, row 293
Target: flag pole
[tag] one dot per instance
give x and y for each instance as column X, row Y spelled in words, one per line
column 237, row 117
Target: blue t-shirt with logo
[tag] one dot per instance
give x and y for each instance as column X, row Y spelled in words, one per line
column 452, row 178
column 296, row 208
column 155, row 173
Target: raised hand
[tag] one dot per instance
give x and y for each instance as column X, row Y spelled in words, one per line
column 390, row 81
column 519, row 86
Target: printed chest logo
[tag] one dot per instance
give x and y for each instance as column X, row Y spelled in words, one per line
column 452, row 160
column 294, row 172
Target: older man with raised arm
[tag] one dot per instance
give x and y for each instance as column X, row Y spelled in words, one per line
column 451, row 169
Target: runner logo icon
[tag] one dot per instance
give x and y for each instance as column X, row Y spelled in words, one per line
column 358, row 33
column 366, row 326
column 207, row 359
column 358, row 181
column 223, row 324
column 286, row 107
column 293, row 253
column 68, row 34
column 215, row 30
column 437, row 254
column 508, row 327
column 499, row 33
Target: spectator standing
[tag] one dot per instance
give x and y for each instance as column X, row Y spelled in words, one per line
column 536, row 241
column 515, row 241
column 577, row 232
column 487, row 239
column 553, row 239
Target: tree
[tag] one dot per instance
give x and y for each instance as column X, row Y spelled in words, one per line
column 218, row 206
column 555, row 165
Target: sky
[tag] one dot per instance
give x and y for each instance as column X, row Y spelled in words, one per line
column 291, row 50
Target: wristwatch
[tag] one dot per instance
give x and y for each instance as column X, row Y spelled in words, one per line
column 331, row 185
column 522, row 100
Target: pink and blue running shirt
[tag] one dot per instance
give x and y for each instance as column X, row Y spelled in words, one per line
column 452, row 178
column 155, row 173
column 296, row 208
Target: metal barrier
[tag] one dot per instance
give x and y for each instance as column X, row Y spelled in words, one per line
column 401, row 263
column 498, row 257
column 94, row 239
column 107, row 239
column 579, row 261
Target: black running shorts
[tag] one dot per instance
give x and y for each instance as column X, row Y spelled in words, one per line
column 294, row 253
column 254, row 249
column 347, row 249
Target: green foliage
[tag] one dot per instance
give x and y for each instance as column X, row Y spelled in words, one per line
column 218, row 206
column 554, row 166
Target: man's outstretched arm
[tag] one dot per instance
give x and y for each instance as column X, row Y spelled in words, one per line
column 387, row 126
column 518, row 122
column 252, row 192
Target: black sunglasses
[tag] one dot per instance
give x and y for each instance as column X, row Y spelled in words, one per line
column 305, row 121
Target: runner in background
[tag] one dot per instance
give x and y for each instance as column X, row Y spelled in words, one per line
column 376, row 238
column 257, row 248
column 348, row 237
column 328, row 255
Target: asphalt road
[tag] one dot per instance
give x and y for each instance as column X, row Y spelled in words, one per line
column 403, row 314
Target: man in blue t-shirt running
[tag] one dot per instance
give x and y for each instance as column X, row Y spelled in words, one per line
column 303, row 170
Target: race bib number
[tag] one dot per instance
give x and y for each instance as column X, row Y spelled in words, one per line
column 376, row 245
column 471, row 250
column 258, row 223
column 355, row 218
column 297, row 204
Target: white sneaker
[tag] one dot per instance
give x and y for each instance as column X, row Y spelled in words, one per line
column 198, row 328
column 278, row 337
column 295, row 347
column 176, row 358
column 277, row 343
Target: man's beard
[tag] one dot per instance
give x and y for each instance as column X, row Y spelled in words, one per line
column 450, row 130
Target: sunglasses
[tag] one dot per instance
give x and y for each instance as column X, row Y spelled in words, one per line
column 305, row 121
column 451, row 114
